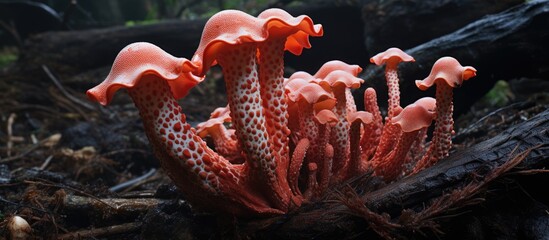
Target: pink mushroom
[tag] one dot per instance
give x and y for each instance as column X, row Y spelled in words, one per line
column 258, row 108
column 411, row 121
column 311, row 99
column 340, row 83
column 447, row 73
column 391, row 58
column 372, row 132
column 208, row 180
column 224, row 140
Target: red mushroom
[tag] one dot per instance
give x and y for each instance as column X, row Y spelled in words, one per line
column 207, row 179
column 391, row 58
column 224, row 140
column 355, row 165
column 257, row 103
column 372, row 132
column 411, row 120
column 340, row 83
column 311, row 99
column 447, row 73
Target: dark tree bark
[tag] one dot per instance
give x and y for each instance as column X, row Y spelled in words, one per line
column 417, row 191
column 502, row 46
column 77, row 51
column 405, row 24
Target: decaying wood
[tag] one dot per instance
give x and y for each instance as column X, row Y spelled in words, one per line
column 405, row 24
column 416, row 192
column 501, row 46
column 71, row 52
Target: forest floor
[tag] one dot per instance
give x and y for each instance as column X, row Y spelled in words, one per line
column 73, row 168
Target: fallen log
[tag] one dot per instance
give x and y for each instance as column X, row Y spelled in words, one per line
column 507, row 45
column 416, row 192
column 405, row 24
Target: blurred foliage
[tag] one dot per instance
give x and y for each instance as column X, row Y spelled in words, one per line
column 499, row 95
column 8, row 55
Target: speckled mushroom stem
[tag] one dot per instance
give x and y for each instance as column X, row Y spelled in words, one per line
column 372, row 132
column 393, row 165
column 391, row 75
column 295, row 164
column 206, row 178
column 353, row 168
column 240, row 71
column 309, row 129
column 391, row 133
column 441, row 142
column 339, row 137
column 226, row 145
column 271, row 79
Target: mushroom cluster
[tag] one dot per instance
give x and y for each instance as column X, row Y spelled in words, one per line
column 280, row 142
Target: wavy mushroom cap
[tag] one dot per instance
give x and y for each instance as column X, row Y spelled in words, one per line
column 361, row 116
column 303, row 75
column 391, row 55
column 417, row 115
column 230, row 28
column 334, row 65
column 221, row 112
column 296, row 29
column 326, row 116
column 340, row 78
column 204, row 129
column 138, row 60
column 292, row 85
column 447, row 70
column 312, row 93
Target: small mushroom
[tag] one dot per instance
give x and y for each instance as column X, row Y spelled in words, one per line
column 447, row 73
column 391, row 58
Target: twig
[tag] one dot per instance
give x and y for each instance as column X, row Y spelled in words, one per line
column 69, row 188
column 102, row 232
column 131, row 182
column 11, row 138
column 46, row 162
column 27, row 151
column 64, row 91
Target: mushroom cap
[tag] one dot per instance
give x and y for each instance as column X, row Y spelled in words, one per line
column 333, row 65
column 231, row 27
column 218, row 117
column 391, row 55
column 138, row 60
column 292, row 85
column 221, row 112
column 417, row 115
column 340, row 78
column 362, row 116
column 326, row 116
column 302, row 74
column 449, row 71
column 312, row 93
column 296, row 29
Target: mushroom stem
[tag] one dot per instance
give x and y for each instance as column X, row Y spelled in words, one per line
column 240, row 71
column 295, row 165
column 271, row 79
column 391, row 75
column 354, row 168
column 394, row 163
column 206, row 178
column 339, row 138
column 441, row 141
column 225, row 144
column 372, row 132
